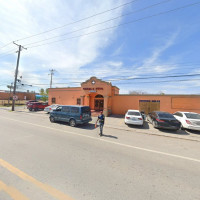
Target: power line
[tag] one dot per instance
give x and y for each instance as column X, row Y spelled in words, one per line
column 153, row 5
column 122, row 24
column 50, row 30
column 140, row 78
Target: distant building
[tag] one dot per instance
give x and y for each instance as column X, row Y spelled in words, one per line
column 6, row 95
column 101, row 95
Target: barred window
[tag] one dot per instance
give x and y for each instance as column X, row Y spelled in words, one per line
column 53, row 100
column 78, row 101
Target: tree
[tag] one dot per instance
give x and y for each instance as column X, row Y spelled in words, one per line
column 44, row 94
column 137, row 92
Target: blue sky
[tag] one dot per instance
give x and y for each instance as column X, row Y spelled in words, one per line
column 127, row 55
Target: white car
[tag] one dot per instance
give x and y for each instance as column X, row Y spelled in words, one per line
column 48, row 109
column 189, row 120
column 134, row 117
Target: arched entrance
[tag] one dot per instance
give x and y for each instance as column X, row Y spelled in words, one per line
column 99, row 102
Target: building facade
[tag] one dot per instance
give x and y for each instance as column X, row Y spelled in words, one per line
column 101, row 95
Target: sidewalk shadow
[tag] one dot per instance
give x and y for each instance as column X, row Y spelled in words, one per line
column 89, row 126
column 110, row 136
column 145, row 126
column 116, row 116
column 179, row 132
column 193, row 131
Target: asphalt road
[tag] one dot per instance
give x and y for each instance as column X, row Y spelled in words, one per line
column 40, row 160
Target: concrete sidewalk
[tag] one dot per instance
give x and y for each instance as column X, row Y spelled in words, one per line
column 118, row 123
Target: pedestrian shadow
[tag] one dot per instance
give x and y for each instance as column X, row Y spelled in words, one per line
column 110, row 136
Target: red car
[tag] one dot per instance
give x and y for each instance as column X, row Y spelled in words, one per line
column 37, row 106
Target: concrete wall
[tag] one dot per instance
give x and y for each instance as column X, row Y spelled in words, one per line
column 168, row 103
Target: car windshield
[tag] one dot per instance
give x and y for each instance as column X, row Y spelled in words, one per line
column 192, row 115
column 165, row 115
column 133, row 113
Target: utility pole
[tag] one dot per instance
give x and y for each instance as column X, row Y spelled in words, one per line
column 16, row 73
column 10, row 93
column 51, row 73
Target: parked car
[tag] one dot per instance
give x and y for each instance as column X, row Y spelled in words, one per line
column 50, row 108
column 163, row 120
column 134, row 117
column 73, row 114
column 36, row 106
column 189, row 120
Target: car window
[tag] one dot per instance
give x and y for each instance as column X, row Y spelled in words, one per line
column 165, row 115
column 133, row 113
column 74, row 110
column 192, row 115
column 85, row 109
column 59, row 108
column 66, row 109
column 178, row 114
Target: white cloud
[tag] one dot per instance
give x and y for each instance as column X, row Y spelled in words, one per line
column 24, row 18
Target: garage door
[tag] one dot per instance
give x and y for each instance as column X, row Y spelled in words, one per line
column 149, row 105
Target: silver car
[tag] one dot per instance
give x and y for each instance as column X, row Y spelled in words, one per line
column 50, row 108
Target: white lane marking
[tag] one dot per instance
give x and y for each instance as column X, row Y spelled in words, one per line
column 117, row 143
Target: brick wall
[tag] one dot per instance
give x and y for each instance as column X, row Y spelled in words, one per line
column 21, row 95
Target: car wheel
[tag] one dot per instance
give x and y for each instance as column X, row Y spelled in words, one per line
column 72, row 123
column 30, row 109
column 52, row 119
column 154, row 124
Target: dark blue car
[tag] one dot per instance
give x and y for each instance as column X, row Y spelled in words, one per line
column 74, row 115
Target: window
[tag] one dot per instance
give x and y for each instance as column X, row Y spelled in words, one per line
column 53, row 100
column 78, row 101
column 134, row 113
column 66, row 109
column 74, row 110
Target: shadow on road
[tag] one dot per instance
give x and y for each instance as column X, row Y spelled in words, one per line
column 88, row 126
column 110, row 136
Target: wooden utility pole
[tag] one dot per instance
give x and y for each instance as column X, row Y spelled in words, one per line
column 16, row 73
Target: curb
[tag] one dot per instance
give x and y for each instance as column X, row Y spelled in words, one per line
column 119, row 128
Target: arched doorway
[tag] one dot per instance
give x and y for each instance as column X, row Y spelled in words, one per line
column 99, row 102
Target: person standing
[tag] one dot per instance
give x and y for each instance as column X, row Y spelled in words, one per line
column 101, row 119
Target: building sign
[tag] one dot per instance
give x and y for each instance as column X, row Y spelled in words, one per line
column 93, row 89
column 149, row 100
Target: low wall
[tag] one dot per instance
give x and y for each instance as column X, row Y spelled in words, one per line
column 168, row 103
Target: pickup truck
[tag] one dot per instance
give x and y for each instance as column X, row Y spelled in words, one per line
column 36, row 106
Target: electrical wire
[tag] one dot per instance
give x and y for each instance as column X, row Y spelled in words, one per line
column 122, row 24
column 86, row 18
column 153, row 5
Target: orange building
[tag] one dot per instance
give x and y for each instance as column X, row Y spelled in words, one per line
column 101, row 95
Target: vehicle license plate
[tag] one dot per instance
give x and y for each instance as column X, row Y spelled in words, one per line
column 134, row 118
